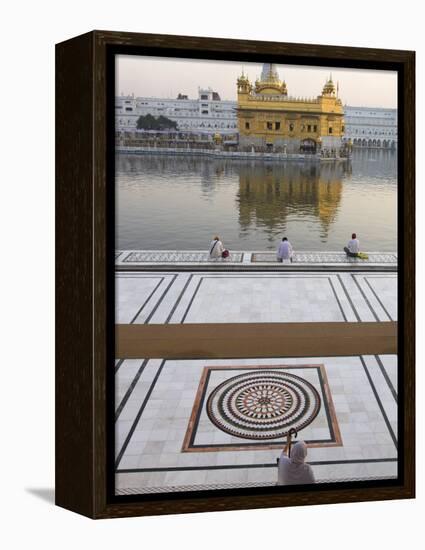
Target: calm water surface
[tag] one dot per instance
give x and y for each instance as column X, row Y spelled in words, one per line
column 180, row 203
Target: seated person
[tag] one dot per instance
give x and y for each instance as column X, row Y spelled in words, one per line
column 285, row 251
column 216, row 248
column 353, row 247
column 293, row 470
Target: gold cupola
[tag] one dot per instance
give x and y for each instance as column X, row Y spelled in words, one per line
column 329, row 87
column 270, row 83
column 244, row 86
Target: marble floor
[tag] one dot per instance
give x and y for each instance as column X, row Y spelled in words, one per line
column 196, row 424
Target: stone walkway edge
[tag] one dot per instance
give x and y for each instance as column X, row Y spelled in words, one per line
column 252, row 260
column 215, row 486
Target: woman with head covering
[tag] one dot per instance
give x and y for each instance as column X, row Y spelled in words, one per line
column 216, row 248
column 285, row 251
column 293, row 470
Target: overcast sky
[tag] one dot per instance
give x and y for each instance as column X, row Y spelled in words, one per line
column 165, row 77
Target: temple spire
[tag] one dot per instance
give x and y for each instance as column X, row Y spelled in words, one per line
column 269, row 73
column 329, row 87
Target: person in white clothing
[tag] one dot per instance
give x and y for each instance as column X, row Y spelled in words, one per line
column 285, row 251
column 293, row 470
column 353, row 247
column 216, row 248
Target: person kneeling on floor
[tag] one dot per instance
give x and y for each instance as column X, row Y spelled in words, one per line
column 353, row 247
column 217, row 250
column 293, row 470
column 285, row 251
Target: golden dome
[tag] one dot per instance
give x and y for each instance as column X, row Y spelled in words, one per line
column 243, row 83
column 269, row 73
column 270, row 83
column 329, row 87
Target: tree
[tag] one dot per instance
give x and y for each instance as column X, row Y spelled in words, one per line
column 149, row 122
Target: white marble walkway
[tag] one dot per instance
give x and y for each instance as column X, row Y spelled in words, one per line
column 134, row 258
column 167, row 436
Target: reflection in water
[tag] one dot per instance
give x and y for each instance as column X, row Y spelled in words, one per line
column 180, row 202
column 269, row 196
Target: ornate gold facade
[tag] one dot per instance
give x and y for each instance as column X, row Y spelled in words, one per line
column 271, row 120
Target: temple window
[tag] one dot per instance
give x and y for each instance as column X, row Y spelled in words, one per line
column 330, row 130
column 291, row 127
column 315, row 128
column 269, row 125
column 277, row 126
column 246, row 125
column 309, row 128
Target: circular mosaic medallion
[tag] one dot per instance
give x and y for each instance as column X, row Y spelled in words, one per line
column 263, row 404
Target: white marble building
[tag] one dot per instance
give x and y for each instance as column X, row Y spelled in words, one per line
column 207, row 114
column 371, row 127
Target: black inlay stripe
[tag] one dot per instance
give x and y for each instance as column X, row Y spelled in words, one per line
column 152, row 313
column 122, row 275
column 146, row 301
column 179, row 299
column 377, row 298
column 245, row 466
column 117, row 366
column 139, row 414
column 387, row 378
column 337, row 299
column 199, row 411
column 191, row 300
column 353, row 307
column 266, row 276
column 120, row 362
column 126, row 258
column 256, row 443
column 387, row 422
column 130, row 389
column 325, row 401
column 364, row 297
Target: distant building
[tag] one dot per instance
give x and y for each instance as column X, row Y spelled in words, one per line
column 266, row 117
column 208, row 114
column 271, row 120
column 371, row 127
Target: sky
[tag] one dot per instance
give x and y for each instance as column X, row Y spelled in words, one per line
column 166, row 77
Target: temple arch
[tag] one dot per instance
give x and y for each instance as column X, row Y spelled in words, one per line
column 308, row 146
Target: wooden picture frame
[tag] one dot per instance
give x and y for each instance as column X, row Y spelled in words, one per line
column 85, row 333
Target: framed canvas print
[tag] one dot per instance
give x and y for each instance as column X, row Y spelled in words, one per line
column 235, row 274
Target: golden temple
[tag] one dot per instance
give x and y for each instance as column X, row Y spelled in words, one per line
column 271, row 120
